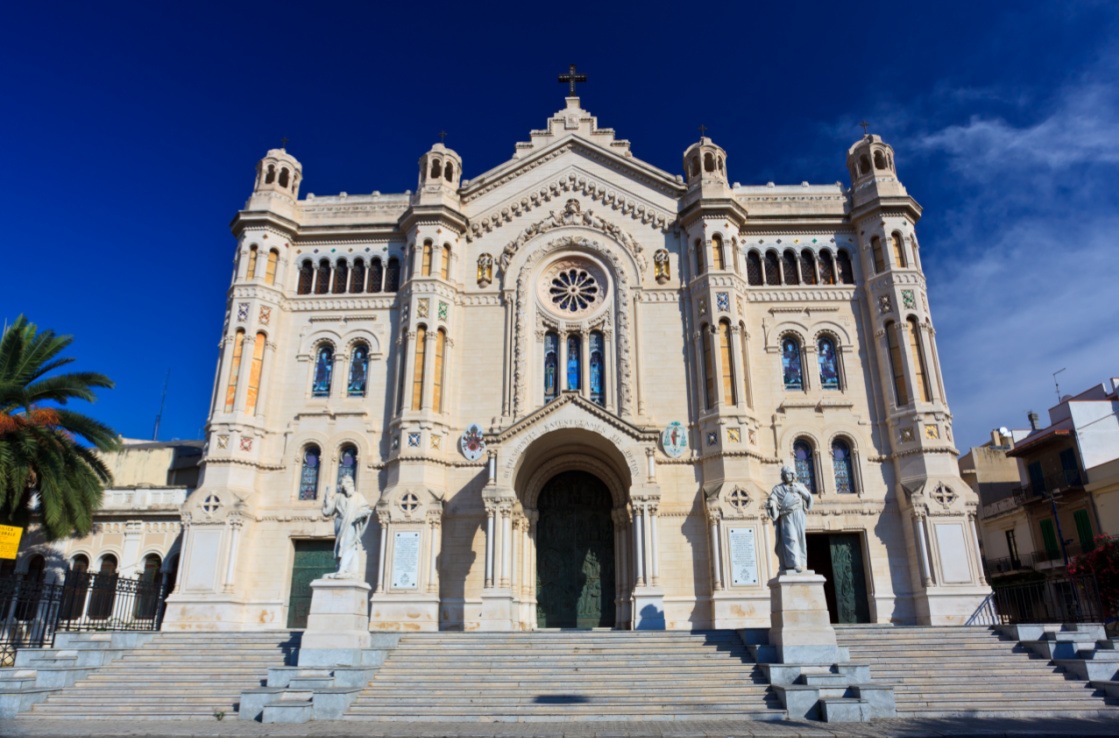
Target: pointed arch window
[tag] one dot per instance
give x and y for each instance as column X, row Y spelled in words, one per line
column 846, row 273
column 437, row 370
column 790, row 267
column 270, row 267
column 597, row 355
column 309, row 473
column 250, row 270
column 376, row 274
column 322, row 279
column 306, row 277
column 255, row 370
column 754, row 269
column 917, row 350
column 551, row 362
column 844, row 467
column 347, row 464
column 827, row 268
column 805, row 462
column 392, row 275
column 829, row 363
column 772, row 268
column 718, row 257
column 574, row 362
column 359, row 371
column 790, row 364
column 897, row 367
column 898, row 249
column 879, row 257
column 324, row 368
column 708, row 367
column 445, row 264
column 418, row 368
column 234, row 370
column 808, row 266
column 357, row 276
column 425, row 265
column 726, row 364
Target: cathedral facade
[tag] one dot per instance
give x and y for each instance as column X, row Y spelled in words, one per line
column 566, row 387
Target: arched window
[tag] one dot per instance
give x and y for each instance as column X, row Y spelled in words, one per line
column 708, row 367
column 574, row 362
column 35, row 568
column 376, row 275
column 898, row 248
column 73, row 596
column 147, row 595
column 844, row 467
column 392, row 275
column 306, row 277
column 347, row 464
column 917, row 350
column 698, row 257
column 341, row 273
column 270, row 267
column 449, row 172
column 436, row 169
column 726, row 364
column 754, row 269
column 551, row 362
column 718, row 258
column 864, row 164
column 790, row 267
column 359, row 370
column 425, row 265
column 250, row 270
column 808, row 266
column 271, row 176
column 805, row 462
column 324, row 368
column 234, row 370
column 255, row 369
column 357, row 277
column 445, row 264
column 440, row 362
column 418, row 368
column 708, row 162
column 827, row 268
column 846, row 273
column 897, row 368
column 790, row 364
column 284, row 177
column 309, row 473
column 322, row 279
column 772, row 268
column 597, row 367
column 879, row 160
column 879, row 257
column 104, row 589
column 829, row 364
column 695, row 165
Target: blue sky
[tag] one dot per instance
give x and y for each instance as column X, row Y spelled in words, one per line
column 132, row 131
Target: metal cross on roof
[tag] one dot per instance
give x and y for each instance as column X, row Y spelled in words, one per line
column 702, row 129
column 571, row 78
column 284, row 142
column 866, row 126
column 442, row 136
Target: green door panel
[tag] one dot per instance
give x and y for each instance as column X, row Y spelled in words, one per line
column 313, row 560
column 849, row 578
column 1049, row 537
column 1084, row 530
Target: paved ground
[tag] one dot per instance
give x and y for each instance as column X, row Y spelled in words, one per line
column 587, row 729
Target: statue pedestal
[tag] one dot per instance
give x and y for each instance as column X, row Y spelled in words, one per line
column 339, row 619
column 800, row 628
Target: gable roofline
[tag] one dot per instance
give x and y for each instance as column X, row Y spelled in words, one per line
column 572, row 397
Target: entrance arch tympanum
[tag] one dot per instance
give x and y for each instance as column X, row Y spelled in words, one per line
column 575, row 553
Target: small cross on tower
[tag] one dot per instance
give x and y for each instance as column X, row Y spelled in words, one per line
column 702, row 130
column 284, row 143
column 571, row 78
column 866, row 127
column 442, row 137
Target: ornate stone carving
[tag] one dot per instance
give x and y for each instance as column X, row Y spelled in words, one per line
column 572, row 215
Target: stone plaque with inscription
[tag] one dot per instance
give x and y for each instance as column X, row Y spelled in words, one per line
column 743, row 557
column 406, row 560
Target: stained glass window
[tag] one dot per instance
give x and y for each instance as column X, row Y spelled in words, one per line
column 573, row 290
column 829, row 366
column 376, row 274
column 790, row 364
column 805, row 464
column 841, row 462
column 359, row 370
column 551, row 361
column 324, row 367
column 574, row 362
column 596, row 357
column 306, row 277
column 392, row 275
column 754, row 269
column 347, row 464
column 309, row 475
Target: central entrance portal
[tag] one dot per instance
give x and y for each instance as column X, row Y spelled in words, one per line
column 574, row 553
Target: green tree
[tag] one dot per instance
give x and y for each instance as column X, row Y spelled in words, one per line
column 48, row 452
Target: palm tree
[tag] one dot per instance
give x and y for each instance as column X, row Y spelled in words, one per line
column 48, row 454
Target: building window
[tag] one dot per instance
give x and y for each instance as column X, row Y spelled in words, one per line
column 104, row 595
column 425, row 265
column 392, row 275
column 401, row 373
column 359, row 370
column 437, row 379
column 897, row 368
column 322, row 279
column 846, row 273
column 879, row 257
column 917, row 350
column 698, row 257
column 376, row 274
column 789, row 262
column 445, row 265
column 597, row 352
column 341, row 276
column 250, row 270
column 718, row 261
column 309, row 474
column 726, row 364
column 844, row 469
column 708, row 368
column 805, row 464
column 790, row 364
column 1012, row 549
column 357, row 276
column 1049, row 538
column 829, row 364
column 827, row 268
column 418, row 369
column 306, row 277
column 898, row 249
column 347, row 464
column 324, row 368
column 234, row 370
column 551, row 362
column 808, row 266
column 574, row 362
column 270, row 267
column 255, row 370
column 772, row 269
column 754, row 269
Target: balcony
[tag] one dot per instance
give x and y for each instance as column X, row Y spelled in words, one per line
column 1064, row 480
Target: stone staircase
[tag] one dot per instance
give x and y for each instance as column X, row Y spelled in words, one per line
column 566, row 675
column 174, row 676
column 965, row 672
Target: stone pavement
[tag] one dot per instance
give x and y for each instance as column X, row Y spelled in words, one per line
column 230, row 726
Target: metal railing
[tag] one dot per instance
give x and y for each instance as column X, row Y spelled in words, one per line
column 32, row 611
column 1056, row 600
column 1056, row 482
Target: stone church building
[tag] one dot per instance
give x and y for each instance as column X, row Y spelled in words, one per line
column 566, row 387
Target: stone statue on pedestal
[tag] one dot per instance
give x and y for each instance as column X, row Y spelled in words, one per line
column 351, row 514
column 786, row 506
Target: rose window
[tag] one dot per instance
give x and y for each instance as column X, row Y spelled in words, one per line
column 573, row 290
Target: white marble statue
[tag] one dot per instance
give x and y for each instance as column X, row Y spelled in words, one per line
column 786, row 506
column 351, row 514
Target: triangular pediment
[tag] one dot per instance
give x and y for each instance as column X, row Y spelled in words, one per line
column 571, row 410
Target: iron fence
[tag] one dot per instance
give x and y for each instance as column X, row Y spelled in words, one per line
column 1054, row 600
column 32, row 611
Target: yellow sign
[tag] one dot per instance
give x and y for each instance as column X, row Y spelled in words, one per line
column 9, row 541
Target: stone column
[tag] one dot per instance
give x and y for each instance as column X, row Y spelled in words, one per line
column 923, row 550
column 491, row 510
column 506, row 544
column 434, row 532
column 716, row 555
column 638, row 546
column 654, row 553
column 383, row 521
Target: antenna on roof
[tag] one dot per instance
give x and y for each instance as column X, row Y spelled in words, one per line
column 162, row 402
column 1058, row 386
